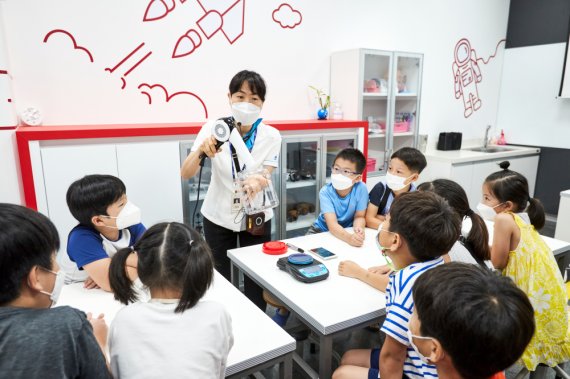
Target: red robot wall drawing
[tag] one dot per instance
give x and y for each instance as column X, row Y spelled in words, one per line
column 466, row 75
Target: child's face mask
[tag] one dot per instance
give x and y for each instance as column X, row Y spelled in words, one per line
column 128, row 216
column 57, row 285
column 396, row 182
column 487, row 212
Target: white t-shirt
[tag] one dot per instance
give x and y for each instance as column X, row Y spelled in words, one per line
column 218, row 200
column 458, row 252
column 149, row 340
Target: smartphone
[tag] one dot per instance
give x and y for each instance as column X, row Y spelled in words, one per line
column 323, row 253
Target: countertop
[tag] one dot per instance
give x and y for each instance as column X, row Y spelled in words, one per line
column 465, row 156
column 565, row 193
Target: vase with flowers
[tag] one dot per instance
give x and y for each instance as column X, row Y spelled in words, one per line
column 324, row 102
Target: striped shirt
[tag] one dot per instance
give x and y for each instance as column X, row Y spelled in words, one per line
column 399, row 307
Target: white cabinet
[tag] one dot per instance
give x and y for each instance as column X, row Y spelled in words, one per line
column 471, row 175
column 384, row 88
column 150, row 171
column 563, row 220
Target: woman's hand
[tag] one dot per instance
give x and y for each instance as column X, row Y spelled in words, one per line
column 208, row 147
column 253, row 184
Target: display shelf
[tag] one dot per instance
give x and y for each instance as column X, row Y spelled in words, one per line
column 302, row 222
column 406, row 95
column 404, row 134
column 301, row 183
column 376, row 135
column 374, row 95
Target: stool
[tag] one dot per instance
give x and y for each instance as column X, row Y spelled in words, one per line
column 540, row 372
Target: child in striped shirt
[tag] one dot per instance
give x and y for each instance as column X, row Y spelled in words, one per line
column 420, row 228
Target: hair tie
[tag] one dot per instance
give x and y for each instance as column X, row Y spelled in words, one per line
column 132, row 249
column 469, row 212
column 529, row 199
column 190, row 242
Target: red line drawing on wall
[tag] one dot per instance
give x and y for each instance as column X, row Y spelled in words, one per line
column 186, row 44
column 135, row 50
column 494, row 54
column 169, row 97
column 233, row 16
column 75, row 45
column 466, row 75
column 286, row 16
column 158, row 9
column 210, row 23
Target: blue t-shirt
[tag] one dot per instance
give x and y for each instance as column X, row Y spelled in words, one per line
column 343, row 207
column 85, row 244
column 378, row 192
column 399, row 308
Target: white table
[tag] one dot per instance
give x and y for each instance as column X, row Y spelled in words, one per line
column 258, row 341
column 330, row 307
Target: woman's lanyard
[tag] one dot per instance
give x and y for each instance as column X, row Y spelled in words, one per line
column 249, row 140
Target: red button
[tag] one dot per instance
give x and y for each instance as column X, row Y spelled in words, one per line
column 274, row 248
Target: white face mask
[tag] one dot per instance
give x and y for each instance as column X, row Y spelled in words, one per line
column 57, row 286
column 245, row 113
column 340, row 182
column 487, row 212
column 128, row 216
column 396, row 182
column 410, row 338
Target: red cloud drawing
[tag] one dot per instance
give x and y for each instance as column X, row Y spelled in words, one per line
column 169, row 97
column 75, row 45
column 286, row 16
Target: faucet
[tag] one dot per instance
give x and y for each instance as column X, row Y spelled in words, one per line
column 486, row 140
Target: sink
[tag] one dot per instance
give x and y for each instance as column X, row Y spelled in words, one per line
column 491, row 149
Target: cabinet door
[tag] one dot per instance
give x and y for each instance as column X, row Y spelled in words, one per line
column 480, row 172
column 151, row 173
column 62, row 165
column 463, row 175
column 376, row 107
column 407, row 78
column 300, row 158
column 528, row 167
column 332, row 145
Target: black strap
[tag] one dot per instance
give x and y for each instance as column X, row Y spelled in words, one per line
column 235, row 158
column 384, row 200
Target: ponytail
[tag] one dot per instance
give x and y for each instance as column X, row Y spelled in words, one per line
column 536, row 214
column 198, row 273
column 477, row 240
column 121, row 284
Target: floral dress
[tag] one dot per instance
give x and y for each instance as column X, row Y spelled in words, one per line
column 534, row 270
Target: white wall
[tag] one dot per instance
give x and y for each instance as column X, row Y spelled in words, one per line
column 69, row 89
column 530, row 111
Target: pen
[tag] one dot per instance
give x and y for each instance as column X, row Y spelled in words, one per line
column 293, row 247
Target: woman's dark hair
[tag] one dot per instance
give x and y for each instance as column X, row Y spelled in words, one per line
column 92, row 195
column 354, row 156
column 426, row 222
column 170, row 256
column 27, row 239
column 482, row 320
column 477, row 241
column 507, row 185
column 253, row 79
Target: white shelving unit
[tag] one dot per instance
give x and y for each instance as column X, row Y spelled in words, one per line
column 397, row 77
column 301, row 183
column 302, row 222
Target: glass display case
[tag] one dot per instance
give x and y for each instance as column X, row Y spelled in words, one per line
column 383, row 88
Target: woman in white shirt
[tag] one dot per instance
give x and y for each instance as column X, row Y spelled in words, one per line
column 224, row 222
column 175, row 334
column 473, row 244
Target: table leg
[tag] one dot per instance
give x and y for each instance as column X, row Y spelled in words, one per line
column 235, row 275
column 286, row 367
column 325, row 357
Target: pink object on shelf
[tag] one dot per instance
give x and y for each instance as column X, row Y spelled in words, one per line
column 401, row 127
column 370, row 164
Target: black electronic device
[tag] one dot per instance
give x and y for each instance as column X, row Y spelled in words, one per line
column 311, row 272
column 449, row 141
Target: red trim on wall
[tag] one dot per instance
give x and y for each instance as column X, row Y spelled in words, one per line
column 45, row 133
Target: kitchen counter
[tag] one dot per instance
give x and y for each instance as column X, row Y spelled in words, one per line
column 467, row 156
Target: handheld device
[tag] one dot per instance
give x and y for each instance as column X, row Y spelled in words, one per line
column 323, row 253
column 303, row 268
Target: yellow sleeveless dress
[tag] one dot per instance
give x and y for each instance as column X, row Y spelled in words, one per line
column 534, row 270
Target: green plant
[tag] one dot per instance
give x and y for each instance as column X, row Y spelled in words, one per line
column 324, row 99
